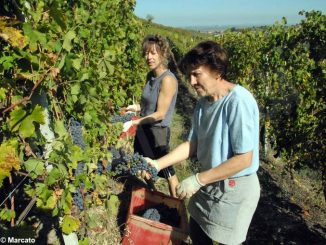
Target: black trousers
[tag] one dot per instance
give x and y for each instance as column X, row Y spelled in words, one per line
column 153, row 142
column 197, row 235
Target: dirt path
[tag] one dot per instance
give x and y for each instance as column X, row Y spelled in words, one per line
column 279, row 221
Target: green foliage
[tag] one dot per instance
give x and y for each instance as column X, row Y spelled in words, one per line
column 69, row 224
column 113, row 205
column 284, row 67
column 7, row 214
column 23, row 122
column 8, row 159
column 84, row 57
column 182, row 39
column 67, row 59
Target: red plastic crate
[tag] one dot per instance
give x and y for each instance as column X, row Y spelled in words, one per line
column 141, row 231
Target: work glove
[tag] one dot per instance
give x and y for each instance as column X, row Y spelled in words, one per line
column 144, row 174
column 188, row 187
column 127, row 125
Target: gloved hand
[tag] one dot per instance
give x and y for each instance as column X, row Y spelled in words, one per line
column 151, row 162
column 133, row 108
column 188, row 187
column 127, row 125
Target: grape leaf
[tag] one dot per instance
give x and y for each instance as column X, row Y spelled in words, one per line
column 69, row 224
column 16, row 116
column 54, row 176
column 60, row 128
column 67, row 40
column 8, row 160
column 7, row 214
column 113, row 204
column 2, row 94
column 25, row 124
column 35, row 167
column 101, row 183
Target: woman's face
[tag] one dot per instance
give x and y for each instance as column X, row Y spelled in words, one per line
column 203, row 80
column 153, row 58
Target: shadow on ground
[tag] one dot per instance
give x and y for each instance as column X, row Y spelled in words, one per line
column 278, row 221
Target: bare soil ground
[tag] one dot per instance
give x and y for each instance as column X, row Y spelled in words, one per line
column 280, row 219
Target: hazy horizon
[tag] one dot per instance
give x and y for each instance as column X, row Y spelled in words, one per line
column 194, row 13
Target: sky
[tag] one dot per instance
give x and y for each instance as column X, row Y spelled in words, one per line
column 192, row 13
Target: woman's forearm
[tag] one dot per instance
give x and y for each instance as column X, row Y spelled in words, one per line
column 227, row 169
column 152, row 118
column 182, row 152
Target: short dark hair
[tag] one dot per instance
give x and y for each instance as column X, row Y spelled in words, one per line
column 207, row 53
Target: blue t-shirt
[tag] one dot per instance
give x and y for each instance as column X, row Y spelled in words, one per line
column 226, row 127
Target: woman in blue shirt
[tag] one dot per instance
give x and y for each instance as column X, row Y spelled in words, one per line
column 225, row 138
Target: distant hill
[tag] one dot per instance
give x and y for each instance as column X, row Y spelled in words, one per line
column 183, row 39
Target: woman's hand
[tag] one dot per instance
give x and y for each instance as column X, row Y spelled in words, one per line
column 188, row 187
column 153, row 163
column 144, row 174
column 127, row 125
column 133, row 108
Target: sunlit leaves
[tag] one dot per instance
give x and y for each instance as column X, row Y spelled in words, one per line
column 89, row 54
column 67, row 41
column 23, row 122
column 8, row 160
column 56, row 174
column 69, row 224
column 34, row 167
column 60, row 129
column 2, row 94
column 35, row 37
column 7, row 214
column 46, row 198
column 113, row 204
column 101, row 182
column 12, row 35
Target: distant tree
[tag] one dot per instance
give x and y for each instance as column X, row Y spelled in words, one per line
column 150, row 18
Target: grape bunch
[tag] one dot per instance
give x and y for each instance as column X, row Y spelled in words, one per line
column 75, row 129
column 139, row 164
column 118, row 165
column 152, row 214
column 80, row 168
column 100, row 168
column 116, row 156
column 78, row 199
column 162, row 213
column 122, row 118
column 78, row 196
column 128, row 164
column 108, row 168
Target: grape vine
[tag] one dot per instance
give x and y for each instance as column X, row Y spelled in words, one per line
column 61, row 69
column 64, row 66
